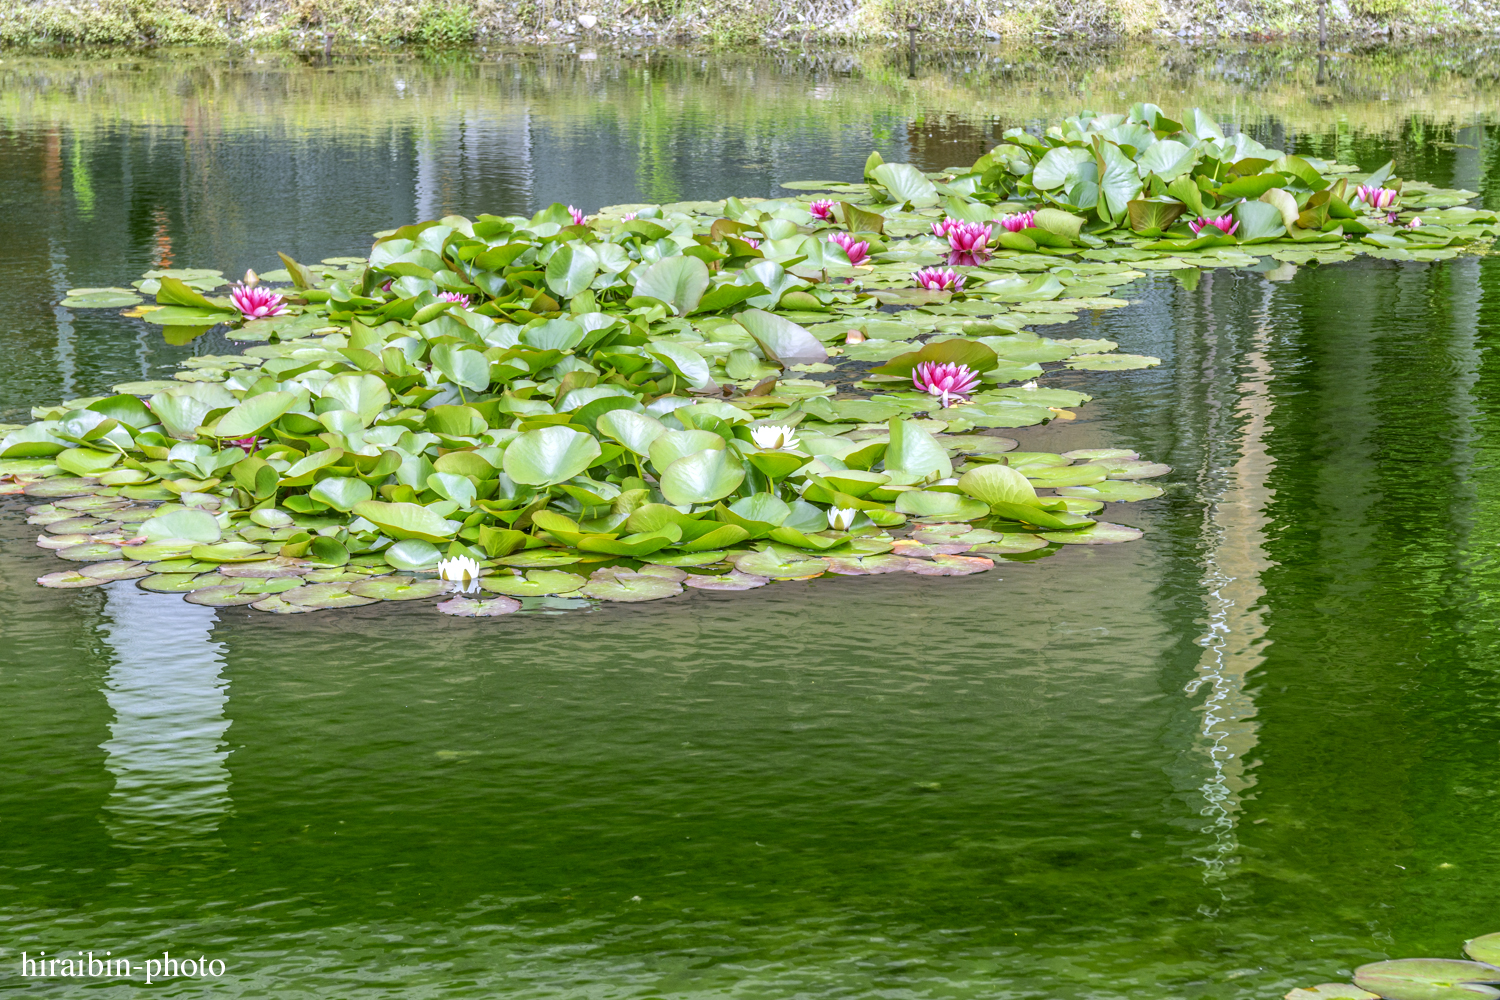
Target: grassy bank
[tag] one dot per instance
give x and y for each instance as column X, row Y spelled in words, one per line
column 449, row 23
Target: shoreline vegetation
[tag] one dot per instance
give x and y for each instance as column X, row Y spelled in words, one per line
column 354, row 24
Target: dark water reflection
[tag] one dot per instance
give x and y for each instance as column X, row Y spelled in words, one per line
column 1249, row 752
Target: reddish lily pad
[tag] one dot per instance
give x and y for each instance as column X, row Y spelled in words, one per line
column 951, row 565
column 70, row 525
column 469, row 607
column 280, row 566
column 116, row 569
column 671, row 573
column 536, row 583
column 1428, row 979
column 69, row 579
column 733, row 580
column 921, row 550
column 870, row 565
column 394, row 588
column 1098, row 533
column 224, row 596
column 56, row 542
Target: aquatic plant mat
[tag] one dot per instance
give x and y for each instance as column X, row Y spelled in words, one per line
column 561, row 410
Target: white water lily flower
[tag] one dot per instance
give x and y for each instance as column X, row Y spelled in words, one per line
column 773, row 437
column 840, row 518
column 461, row 570
column 1030, row 385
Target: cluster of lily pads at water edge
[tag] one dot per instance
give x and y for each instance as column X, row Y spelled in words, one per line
column 709, row 395
column 1420, row 978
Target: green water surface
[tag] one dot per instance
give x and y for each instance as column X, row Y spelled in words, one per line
column 1249, row 752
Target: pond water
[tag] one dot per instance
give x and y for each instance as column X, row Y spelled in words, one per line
column 1249, row 752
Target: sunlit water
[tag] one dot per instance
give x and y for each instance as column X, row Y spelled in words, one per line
column 1249, row 752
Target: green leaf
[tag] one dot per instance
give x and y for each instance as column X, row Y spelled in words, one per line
column 782, row 340
column 932, row 503
column 906, row 184
column 301, row 276
column 451, row 486
column 554, row 335
column 997, row 484
column 365, row 395
column 1153, row 213
column 915, row 452
column 1061, row 166
column 704, row 477
column 1258, row 221
column 858, row 220
column 550, row 455
column 1058, row 222
column 725, row 296
column 635, row 431
column 188, row 316
column 254, row 414
column 1284, row 203
column 1167, row 159
column 174, row 293
column 978, row 357
column 1187, row 192
column 407, row 520
column 672, row 445
column 677, row 281
column 1250, row 187
column 1121, row 182
column 684, row 362
column 571, row 269
column 462, row 365
column 341, row 493
column 190, row 525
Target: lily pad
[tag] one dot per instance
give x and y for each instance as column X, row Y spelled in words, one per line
column 395, row 588
column 950, row 565
column 541, row 558
column 468, row 607
column 624, row 585
column 869, row 565
column 1331, row 991
column 1111, row 362
column 413, row 555
column 1098, row 533
column 1010, row 543
column 689, row 558
column 733, row 580
column 224, row 596
column 1133, row 470
column 69, row 579
column 265, row 569
column 157, row 551
column 1113, row 491
column 230, row 552
column 62, row 487
column 277, row 606
column 93, row 552
column 325, row 595
column 1428, row 979
column 270, row 585
column 172, row 583
column 1484, row 949
column 536, row 583
column 770, row 564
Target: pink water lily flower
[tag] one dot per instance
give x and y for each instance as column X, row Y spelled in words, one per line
column 257, row 303
column 1376, row 197
column 950, row 383
column 821, row 209
column 858, row 251
column 940, row 229
column 1225, row 224
column 1019, row 221
column 937, row 279
column 751, row 242
column 628, row 217
column 576, row 214
column 968, row 237
column 1415, row 223
column 458, row 297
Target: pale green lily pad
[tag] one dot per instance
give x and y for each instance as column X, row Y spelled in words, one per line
column 913, row 549
column 174, row 548
column 1010, row 543
column 541, row 558
column 537, row 583
column 335, row 574
column 171, row 583
column 1111, row 362
column 733, row 580
column 396, row 588
column 1098, row 533
column 1098, row 454
column 977, row 444
column 1077, row 505
column 224, row 596
column 413, row 555
column 92, row 502
column 769, row 564
column 1074, row 475
column 688, row 558
column 671, row 573
column 1484, row 949
column 62, row 487
column 1428, row 979
column 270, row 585
column 70, row 579
column 71, row 526
column 1113, row 491
column 624, row 585
column 230, row 552
column 325, row 595
column 932, row 503
column 468, row 607
column 277, row 606
column 93, row 552
column 101, row 298
column 1331, row 991
column 117, row 569
column 1133, row 470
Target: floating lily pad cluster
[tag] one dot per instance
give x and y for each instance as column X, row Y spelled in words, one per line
column 1421, row 978
column 707, row 395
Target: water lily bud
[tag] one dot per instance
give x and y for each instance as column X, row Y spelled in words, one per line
column 854, row 337
column 251, row 279
column 840, row 518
